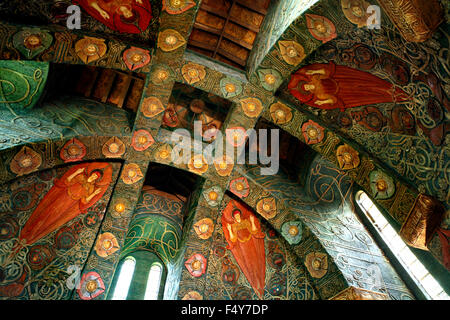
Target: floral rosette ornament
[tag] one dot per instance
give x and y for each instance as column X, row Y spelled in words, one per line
column 25, row 161
column 142, row 140
column 161, row 74
column 291, row 52
column 32, row 41
column 252, row 107
column 196, row 265
column 223, row 165
column 90, row 49
column 91, row 286
column 170, row 40
column 131, row 173
column 312, row 132
column 236, row 136
column 280, row 113
column 317, row 264
column 193, row 72
column 382, row 186
column 292, row 231
column 213, row 196
column 164, row 154
column 240, row 187
column 113, row 148
column 120, row 207
column 136, row 58
column 73, row 150
column 270, row 79
column 267, row 207
column 204, row 228
column 106, row 245
column 151, row 107
column 320, row 27
column 230, row 87
column 39, row 257
column 177, row 6
column 348, row 158
column 192, row 295
column 198, row 164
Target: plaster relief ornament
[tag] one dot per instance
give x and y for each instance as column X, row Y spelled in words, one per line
column 240, row 187
column 164, row 154
column 348, row 158
column 32, row 41
column 213, row 196
column 198, row 164
column 312, row 132
column 91, row 286
column 236, row 136
column 106, row 244
column 193, row 72
column 204, row 228
column 192, row 295
column 280, row 113
column 73, row 150
column 382, row 186
column 320, row 27
column 125, row 16
column 131, row 173
column 25, row 161
column 223, row 166
column 142, row 140
column 252, row 107
column 136, row 58
column 292, row 231
column 356, row 11
column 230, row 87
column 291, row 52
column 270, row 79
column 317, row 264
column 267, row 207
column 161, row 74
column 113, row 148
column 170, row 40
column 245, row 240
column 196, row 265
column 177, row 6
column 151, row 107
column 90, row 49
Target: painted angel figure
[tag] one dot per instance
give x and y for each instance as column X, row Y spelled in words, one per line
column 127, row 16
column 330, row 86
column 246, row 242
column 77, row 190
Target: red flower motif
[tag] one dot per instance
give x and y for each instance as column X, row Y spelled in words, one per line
column 196, row 265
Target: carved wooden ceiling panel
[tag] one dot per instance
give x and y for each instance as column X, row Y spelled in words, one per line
column 226, row 29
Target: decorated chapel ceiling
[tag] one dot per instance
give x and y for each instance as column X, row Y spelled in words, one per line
column 356, row 107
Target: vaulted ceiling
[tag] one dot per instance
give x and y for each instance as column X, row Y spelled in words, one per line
column 231, row 64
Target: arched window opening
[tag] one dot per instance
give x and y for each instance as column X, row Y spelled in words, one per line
column 406, row 257
column 124, row 280
column 153, row 282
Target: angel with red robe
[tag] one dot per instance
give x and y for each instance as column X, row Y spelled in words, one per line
column 78, row 190
column 330, row 86
column 245, row 239
column 126, row 16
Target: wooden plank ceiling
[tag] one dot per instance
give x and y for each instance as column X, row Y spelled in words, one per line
column 226, row 29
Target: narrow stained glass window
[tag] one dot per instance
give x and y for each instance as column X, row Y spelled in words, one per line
column 124, row 280
column 153, row 282
column 426, row 282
